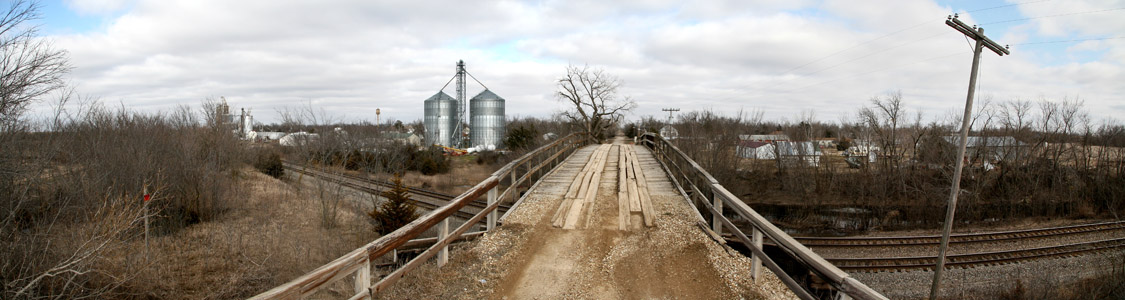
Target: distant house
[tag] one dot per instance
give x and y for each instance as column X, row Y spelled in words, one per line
column 269, row 135
column 862, row 148
column 403, row 138
column 990, row 148
column 755, row 150
column 791, row 153
column 297, row 138
column 825, row 143
column 669, row 132
column 769, row 138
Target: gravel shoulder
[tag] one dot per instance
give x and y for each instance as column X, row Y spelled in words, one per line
column 1046, row 276
column 527, row 258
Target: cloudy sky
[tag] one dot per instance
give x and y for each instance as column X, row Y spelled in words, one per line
column 781, row 57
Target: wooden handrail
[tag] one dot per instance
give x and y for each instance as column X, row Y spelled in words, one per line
column 835, row 277
column 358, row 260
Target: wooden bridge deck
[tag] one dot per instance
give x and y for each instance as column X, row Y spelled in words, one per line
column 528, row 258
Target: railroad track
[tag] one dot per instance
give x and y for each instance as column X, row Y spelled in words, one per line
column 970, row 260
column 963, row 238
column 424, row 199
column 894, row 264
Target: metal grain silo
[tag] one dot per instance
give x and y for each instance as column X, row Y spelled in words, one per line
column 440, row 119
column 486, row 112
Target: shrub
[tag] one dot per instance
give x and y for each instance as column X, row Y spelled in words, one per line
column 430, row 161
column 395, row 211
column 488, row 157
column 392, row 159
column 269, row 162
column 521, row 137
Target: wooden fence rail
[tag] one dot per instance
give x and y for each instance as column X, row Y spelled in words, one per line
column 535, row 165
column 706, row 193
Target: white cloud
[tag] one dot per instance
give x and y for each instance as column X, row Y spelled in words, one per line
column 780, row 56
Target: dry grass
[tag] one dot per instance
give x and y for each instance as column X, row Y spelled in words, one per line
column 270, row 236
column 464, row 174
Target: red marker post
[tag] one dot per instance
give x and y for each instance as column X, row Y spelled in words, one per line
column 145, row 205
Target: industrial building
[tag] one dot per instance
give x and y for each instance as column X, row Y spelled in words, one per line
column 243, row 123
column 445, row 120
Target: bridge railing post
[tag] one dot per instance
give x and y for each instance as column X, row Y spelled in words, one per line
column 443, row 231
column 755, row 261
column 363, row 278
column 716, row 222
column 492, row 198
column 515, row 186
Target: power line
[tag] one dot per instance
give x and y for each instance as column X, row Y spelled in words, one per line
column 1052, row 16
column 854, row 46
column 900, row 31
column 1006, row 5
column 873, row 53
column 1070, row 41
column 857, row 75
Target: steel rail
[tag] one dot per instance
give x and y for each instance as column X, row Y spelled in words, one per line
column 427, row 204
column 964, row 238
column 971, row 260
column 438, row 196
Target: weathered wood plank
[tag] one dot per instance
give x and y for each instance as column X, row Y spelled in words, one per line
column 591, row 188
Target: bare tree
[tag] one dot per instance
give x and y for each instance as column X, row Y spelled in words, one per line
column 884, row 119
column 593, row 93
column 29, row 66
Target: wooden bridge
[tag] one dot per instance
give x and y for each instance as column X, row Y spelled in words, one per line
column 596, row 221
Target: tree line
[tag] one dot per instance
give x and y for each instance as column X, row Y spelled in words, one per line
column 1034, row 159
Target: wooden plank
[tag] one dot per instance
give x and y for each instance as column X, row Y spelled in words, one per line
column 572, row 195
column 595, row 185
column 575, row 208
column 645, row 198
column 634, row 187
column 519, row 201
column 622, row 192
column 590, row 198
column 560, row 214
column 591, row 188
column 568, row 198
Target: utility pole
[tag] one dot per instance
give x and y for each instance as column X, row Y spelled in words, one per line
column 670, row 111
column 977, row 34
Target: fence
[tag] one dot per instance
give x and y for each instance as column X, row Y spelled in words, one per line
column 706, row 192
column 535, row 165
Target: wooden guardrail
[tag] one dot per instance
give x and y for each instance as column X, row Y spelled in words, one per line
column 706, row 192
column 534, row 165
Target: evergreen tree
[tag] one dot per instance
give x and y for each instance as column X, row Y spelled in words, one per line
column 521, row 137
column 396, row 211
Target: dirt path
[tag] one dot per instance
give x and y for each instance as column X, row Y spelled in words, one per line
column 528, row 258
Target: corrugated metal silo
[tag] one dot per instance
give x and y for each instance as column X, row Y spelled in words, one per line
column 486, row 112
column 440, row 119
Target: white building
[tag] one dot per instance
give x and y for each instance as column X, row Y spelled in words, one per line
column 790, row 152
column 297, row 138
